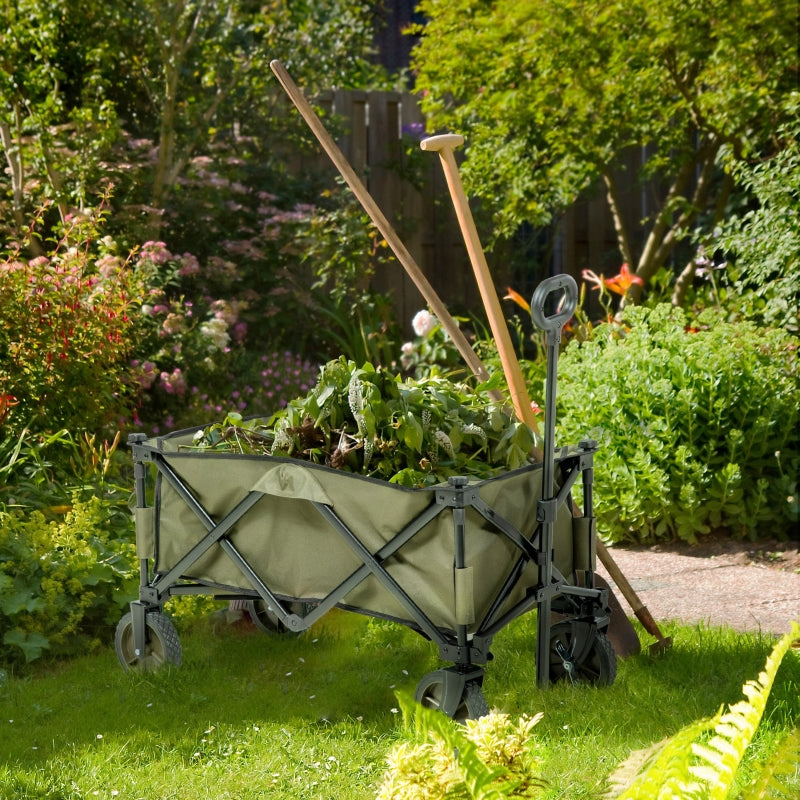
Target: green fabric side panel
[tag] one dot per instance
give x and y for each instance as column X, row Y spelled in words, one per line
column 583, row 543
column 294, row 550
column 144, row 519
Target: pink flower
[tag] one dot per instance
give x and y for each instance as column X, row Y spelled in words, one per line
column 423, row 322
column 189, row 265
column 239, row 332
column 156, row 252
column 174, row 383
column 172, row 324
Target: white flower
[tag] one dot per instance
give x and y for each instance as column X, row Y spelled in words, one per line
column 443, row 440
column 217, row 332
column 424, row 322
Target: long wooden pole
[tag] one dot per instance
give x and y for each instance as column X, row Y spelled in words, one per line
column 382, row 224
column 444, row 145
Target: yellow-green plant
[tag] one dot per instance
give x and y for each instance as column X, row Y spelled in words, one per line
column 63, row 581
column 702, row 760
column 486, row 759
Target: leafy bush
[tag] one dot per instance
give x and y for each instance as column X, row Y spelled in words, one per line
column 698, row 426
column 360, row 419
column 765, row 241
column 63, row 582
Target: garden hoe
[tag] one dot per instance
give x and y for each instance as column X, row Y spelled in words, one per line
column 620, row 631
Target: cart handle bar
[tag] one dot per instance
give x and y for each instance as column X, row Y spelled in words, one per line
column 554, row 323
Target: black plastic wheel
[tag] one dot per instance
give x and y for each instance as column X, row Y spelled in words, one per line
column 163, row 645
column 473, row 705
column 580, row 653
column 267, row 621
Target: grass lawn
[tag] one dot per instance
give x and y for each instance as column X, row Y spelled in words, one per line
column 313, row 716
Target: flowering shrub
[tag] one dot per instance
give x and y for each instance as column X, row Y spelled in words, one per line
column 68, row 328
column 193, row 359
column 300, row 271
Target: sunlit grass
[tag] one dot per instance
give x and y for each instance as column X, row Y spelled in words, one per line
column 313, row 716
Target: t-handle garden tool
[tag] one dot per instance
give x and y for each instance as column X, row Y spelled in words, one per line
column 621, row 632
column 444, row 145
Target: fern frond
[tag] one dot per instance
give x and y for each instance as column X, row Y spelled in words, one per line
column 781, row 765
column 688, row 766
column 666, row 774
column 721, row 756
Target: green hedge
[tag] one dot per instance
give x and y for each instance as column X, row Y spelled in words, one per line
column 698, row 425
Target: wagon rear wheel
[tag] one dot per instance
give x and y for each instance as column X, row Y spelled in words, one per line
column 430, row 694
column 267, row 621
column 580, row 653
column 162, row 643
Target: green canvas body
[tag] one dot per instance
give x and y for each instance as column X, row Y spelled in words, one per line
column 298, row 554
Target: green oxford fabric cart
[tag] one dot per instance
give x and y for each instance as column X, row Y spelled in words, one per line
column 455, row 562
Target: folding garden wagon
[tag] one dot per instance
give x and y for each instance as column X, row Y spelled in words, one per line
column 456, row 562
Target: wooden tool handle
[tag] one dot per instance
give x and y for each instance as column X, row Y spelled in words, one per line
column 381, row 223
column 444, row 144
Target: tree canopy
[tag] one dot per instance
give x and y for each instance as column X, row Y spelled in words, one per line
column 81, row 84
column 552, row 94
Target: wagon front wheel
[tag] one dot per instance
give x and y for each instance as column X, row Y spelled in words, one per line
column 431, row 694
column 580, row 653
column 162, row 643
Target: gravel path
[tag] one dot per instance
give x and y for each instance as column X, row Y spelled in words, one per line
column 746, row 586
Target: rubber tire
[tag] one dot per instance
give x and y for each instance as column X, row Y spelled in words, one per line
column 473, row 704
column 596, row 664
column 163, row 645
column 267, row 622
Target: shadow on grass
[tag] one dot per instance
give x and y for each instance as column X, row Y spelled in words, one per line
column 344, row 672
column 344, row 669
column 655, row 697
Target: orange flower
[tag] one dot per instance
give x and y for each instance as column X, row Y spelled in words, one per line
column 620, row 284
column 6, row 401
column 518, row 299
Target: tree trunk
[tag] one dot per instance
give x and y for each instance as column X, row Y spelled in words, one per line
column 16, row 168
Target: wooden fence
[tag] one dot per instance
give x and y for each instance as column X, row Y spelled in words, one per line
column 381, row 126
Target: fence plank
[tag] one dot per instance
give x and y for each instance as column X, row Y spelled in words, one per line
column 583, row 238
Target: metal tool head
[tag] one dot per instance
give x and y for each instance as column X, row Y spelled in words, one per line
column 659, row 647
